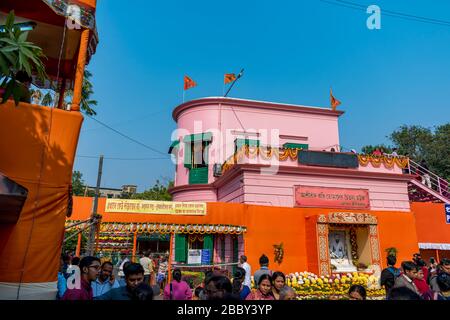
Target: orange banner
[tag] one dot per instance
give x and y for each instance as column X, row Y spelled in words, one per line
column 323, row 197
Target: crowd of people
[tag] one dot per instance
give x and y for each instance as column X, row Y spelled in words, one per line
column 415, row 280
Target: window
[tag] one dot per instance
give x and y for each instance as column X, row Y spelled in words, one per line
column 199, row 156
column 291, row 145
column 196, row 157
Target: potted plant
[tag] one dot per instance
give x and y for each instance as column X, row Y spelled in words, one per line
column 391, row 251
column 17, row 54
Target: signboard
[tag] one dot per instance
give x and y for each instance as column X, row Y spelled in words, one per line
column 155, row 207
column 194, row 256
column 447, row 213
column 324, row 197
column 206, row 256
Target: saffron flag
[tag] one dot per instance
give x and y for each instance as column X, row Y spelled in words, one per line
column 334, row 102
column 229, row 77
column 189, row 83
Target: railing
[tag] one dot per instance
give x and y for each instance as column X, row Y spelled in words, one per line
column 429, row 179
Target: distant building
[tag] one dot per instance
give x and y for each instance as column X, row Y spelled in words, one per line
column 114, row 193
column 129, row 188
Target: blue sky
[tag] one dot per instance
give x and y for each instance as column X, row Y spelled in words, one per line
column 292, row 52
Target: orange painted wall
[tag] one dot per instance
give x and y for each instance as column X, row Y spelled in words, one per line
column 267, row 226
column 430, row 222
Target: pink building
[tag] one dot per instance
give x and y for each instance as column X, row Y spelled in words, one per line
column 255, row 152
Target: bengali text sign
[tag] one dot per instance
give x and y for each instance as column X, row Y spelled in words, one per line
column 155, row 207
column 324, row 197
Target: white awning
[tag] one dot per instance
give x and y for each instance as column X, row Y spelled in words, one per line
column 435, row 246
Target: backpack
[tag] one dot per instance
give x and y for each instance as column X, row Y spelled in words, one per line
column 395, row 272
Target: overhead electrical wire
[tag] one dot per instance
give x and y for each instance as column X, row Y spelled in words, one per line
column 390, row 13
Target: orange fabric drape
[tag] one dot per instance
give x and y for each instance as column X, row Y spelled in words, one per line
column 79, row 74
column 38, row 153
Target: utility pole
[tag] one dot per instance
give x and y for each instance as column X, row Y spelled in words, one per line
column 91, row 243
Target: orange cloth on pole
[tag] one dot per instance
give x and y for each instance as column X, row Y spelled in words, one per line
column 189, row 83
column 334, row 102
column 38, row 153
column 229, row 77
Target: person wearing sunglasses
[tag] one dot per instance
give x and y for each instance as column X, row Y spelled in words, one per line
column 89, row 271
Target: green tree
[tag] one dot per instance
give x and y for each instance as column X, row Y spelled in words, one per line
column 413, row 141
column 369, row 148
column 87, row 104
column 78, row 184
column 420, row 143
column 71, row 244
column 158, row 192
column 17, row 54
column 439, row 158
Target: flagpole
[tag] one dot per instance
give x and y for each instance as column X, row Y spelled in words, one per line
column 229, row 89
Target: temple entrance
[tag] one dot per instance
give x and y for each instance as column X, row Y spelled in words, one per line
column 154, row 242
column 347, row 242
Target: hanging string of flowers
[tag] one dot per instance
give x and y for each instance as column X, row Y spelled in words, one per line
column 117, row 228
column 283, row 154
column 388, row 161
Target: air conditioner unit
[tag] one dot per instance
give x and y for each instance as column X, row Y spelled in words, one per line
column 217, row 170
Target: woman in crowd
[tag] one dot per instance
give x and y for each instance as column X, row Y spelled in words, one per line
column 177, row 289
column 264, row 291
column 239, row 289
column 287, row 293
column 278, row 282
column 357, row 292
column 422, row 285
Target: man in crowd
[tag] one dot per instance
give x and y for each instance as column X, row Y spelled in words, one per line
column 248, row 271
column 389, row 274
column 105, row 281
column 147, row 264
column 264, row 263
column 409, row 273
column 89, row 270
column 62, row 282
column 162, row 270
column 443, row 267
column 134, row 276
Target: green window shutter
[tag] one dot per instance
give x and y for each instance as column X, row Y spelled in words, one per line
column 208, row 243
column 187, row 155
column 180, row 247
column 290, row 145
column 174, row 145
column 198, row 175
column 249, row 142
column 205, row 136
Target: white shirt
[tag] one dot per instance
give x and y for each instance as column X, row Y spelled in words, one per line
column 121, row 273
column 147, row 264
column 248, row 274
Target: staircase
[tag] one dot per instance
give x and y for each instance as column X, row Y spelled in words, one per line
column 427, row 186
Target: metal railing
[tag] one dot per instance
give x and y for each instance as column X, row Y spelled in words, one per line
column 429, row 179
